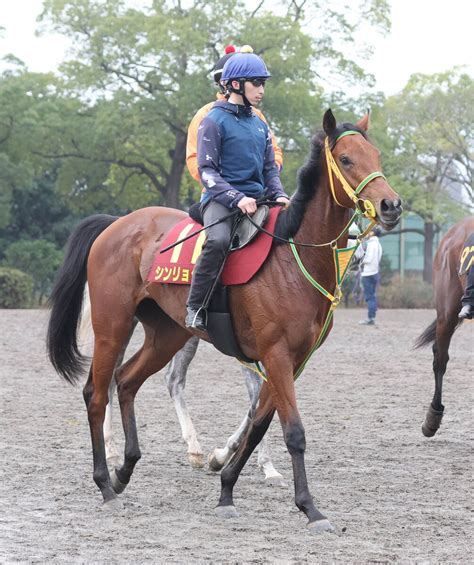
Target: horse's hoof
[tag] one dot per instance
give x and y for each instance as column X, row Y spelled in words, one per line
column 113, row 505
column 196, row 460
column 227, row 512
column 117, row 484
column 214, row 464
column 320, row 526
column 432, row 421
column 428, row 432
column 275, row 481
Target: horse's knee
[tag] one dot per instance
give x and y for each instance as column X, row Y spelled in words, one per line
column 295, row 439
column 133, row 454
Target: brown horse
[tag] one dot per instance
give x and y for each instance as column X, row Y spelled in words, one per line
column 277, row 316
column 448, row 289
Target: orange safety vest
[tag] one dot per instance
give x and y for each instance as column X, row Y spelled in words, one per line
column 191, row 145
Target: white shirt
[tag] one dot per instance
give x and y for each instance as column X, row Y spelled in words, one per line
column 373, row 254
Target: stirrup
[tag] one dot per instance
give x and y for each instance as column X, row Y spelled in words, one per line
column 196, row 319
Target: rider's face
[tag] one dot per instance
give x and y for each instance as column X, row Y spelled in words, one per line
column 254, row 93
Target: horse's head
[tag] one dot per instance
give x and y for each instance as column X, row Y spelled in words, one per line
column 355, row 172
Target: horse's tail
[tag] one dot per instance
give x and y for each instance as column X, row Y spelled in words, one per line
column 66, row 298
column 427, row 337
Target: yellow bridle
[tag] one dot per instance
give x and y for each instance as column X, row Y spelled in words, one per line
column 368, row 207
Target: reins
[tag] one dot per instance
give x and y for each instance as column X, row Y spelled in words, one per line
column 341, row 257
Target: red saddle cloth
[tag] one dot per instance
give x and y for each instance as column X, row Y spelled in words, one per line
column 176, row 265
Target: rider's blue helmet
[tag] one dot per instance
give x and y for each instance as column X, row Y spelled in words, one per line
column 244, row 66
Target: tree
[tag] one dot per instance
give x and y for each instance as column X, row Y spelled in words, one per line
column 428, row 146
column 141, row 73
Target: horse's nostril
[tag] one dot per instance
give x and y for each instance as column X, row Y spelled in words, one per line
column 386, row 205
column 390, row 206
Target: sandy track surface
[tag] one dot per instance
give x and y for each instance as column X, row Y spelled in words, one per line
column 392, row 494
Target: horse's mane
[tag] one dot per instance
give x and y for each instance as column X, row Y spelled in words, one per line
column 307, row 181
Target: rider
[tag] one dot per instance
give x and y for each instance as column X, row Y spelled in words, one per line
column 191, row 145
column 237, row 165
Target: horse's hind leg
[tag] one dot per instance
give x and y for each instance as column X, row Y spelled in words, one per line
column 434, row 415
column 175, row 379
column 153, row 356
column 111, row 451
column 106, row 351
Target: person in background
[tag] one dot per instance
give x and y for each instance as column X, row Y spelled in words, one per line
column 370, row 274
column 191, row 145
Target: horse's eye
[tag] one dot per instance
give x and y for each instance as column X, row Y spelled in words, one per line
column 345, row 161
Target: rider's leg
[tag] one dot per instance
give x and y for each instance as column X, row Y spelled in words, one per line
column 467, row 311
column 209, row 262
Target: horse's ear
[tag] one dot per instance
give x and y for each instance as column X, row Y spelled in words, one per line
column 364, row 123
column 329, row 122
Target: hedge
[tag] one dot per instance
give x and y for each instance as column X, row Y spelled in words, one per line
column 16, row 288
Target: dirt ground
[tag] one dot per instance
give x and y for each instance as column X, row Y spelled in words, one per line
column 392, row 494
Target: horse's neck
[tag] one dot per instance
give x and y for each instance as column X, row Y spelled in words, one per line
column 323, row 222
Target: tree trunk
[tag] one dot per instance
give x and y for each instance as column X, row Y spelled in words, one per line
column 178, row 156
column 428, row 252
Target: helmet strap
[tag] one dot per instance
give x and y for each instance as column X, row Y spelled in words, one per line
column 240, row 90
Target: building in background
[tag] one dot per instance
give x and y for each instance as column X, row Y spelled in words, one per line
column 405, row 250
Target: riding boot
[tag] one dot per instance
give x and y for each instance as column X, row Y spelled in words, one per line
column 466, row 313
column 467, row 300
column 208, row 265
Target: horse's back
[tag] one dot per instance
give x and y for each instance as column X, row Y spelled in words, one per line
column 451, row 244
column 132, row 241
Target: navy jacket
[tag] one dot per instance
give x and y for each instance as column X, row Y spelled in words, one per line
column 235, row 156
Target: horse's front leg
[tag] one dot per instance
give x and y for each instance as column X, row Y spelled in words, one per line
column 175, row 379
column 281, row 383
column 219, row 457
column 258, row 426
column 254, row 385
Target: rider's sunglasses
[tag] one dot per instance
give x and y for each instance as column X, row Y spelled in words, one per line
column 257, row 81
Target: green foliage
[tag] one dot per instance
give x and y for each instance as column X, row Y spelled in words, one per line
column 411, row 292
column 143, row 71
column 429, row 145
column 16, row 288
column 39, row 258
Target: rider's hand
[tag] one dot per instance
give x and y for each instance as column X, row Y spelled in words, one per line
column 284, row 200
column 248, row 205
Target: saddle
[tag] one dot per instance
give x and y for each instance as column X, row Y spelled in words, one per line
column 245, row 230
column 249, row 249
